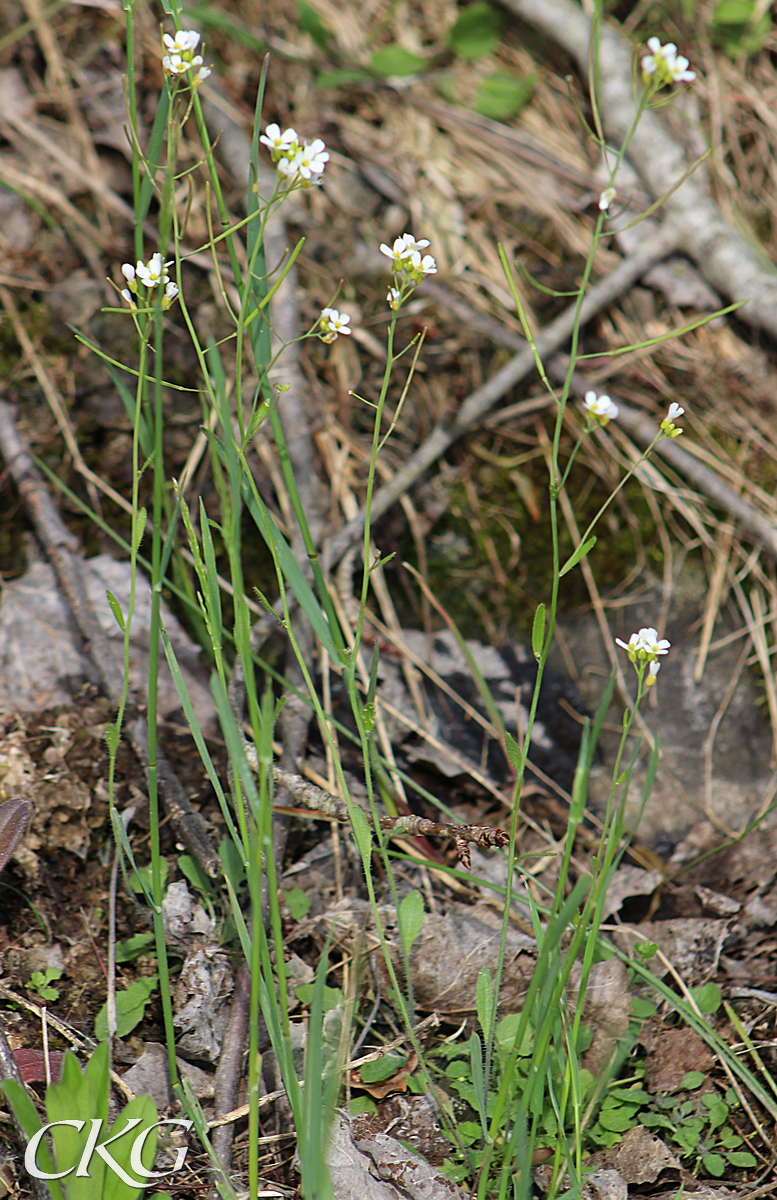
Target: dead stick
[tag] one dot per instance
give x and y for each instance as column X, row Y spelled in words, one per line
column 69, row 565
column 723, row 256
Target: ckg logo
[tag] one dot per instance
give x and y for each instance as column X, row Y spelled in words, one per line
column 144, row 1177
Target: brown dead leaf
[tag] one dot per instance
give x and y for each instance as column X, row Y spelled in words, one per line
column 641, row 1157
column 671, row 1054
column 397, row 1082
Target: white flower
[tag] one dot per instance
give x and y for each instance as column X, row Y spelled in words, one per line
column 277, row 141
column 652, row 674
column 600, row 408
column 181, row 57
column 184, row 42
column 311, row 160
column 126, row 294
column 666, row 64
column 668, row 427
column 606, row 199
column 128, row 271
column 152, row 272
column 394, row 298
column 678, row 70
column 412, row 244
column 425, row 265
column 645, row 646
column 331, row 323
column 303, row 165
column 171, row 292
column 399, row 250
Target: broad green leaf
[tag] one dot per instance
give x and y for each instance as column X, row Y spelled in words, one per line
column 411, row 919
column 692, row 1080
column 309, row 21
column 715, row 1164
column 331, row 996
column 538, row 632
column 133, row 947
column 618, row 1120
column 395, row 60
column 27, row 1116
column 707, row 997
column 130, row 1008
column 476, row 30
column 142, row 1107
column 189, row 867
column 502, row 96
column 382, row 1068
column 741, row 1158
column 581, row 552
column 298, row 902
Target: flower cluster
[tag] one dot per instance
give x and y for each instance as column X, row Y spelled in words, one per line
column 180, row 57
column 600, row 408
column 331, row 323
column 301, row 163
column 665, row 65
column 408, row 265
column 668, row 426
column 645, row 647
column 151, row 274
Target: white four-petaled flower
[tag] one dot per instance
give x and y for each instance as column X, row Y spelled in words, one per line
column 180, row 57
column 645, row 646
column 302, row 165
column 150, row 274
column 278, row 141
column 332, row 323
column 408, row 266
column 600, row 408
column 665, row 64
column 675, row 411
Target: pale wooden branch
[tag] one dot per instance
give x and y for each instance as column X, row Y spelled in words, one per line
column 723, row 256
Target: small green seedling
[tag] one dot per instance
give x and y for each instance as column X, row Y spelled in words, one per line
column 40, row 982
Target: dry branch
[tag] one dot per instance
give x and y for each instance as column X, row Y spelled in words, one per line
column 723, row 256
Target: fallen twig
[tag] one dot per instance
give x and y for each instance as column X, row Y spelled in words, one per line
column 723, row 256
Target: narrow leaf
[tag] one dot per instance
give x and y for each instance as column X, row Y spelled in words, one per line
column 581, row 551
